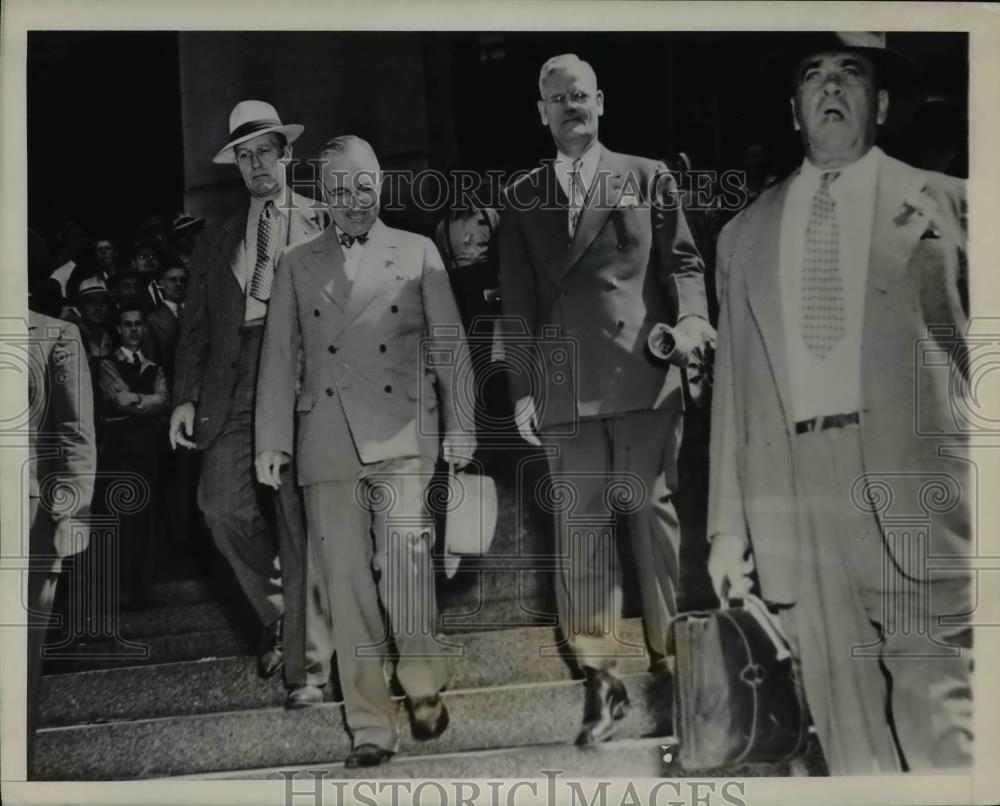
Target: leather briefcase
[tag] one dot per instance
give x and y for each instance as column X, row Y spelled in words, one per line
column 737, row 697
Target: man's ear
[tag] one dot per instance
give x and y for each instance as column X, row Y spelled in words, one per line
column 883, row 107
column 795, row 114
column 542, row 113
column 599, row 100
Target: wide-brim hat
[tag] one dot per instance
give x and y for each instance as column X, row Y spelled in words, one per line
column 90, row 286
column 894, row 71
column 251, row 119
column 185, row 222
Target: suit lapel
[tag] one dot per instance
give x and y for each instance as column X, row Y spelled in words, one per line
column 763, row 281
column 230, row 243
column 376, row 264
column 902, row 213
column 607, row 184
column 546, row 226
column 304, row 221
column 325, row 263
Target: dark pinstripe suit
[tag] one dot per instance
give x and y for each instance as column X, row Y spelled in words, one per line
column 216, row 369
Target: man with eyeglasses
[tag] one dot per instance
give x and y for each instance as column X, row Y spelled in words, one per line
column 147, row 259
column 594, row 250
column 372, row 313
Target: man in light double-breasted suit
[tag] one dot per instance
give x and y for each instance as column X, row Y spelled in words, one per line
column 359, row 301
column 836, row 454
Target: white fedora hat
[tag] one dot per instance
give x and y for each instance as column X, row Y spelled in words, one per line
column 251, row 119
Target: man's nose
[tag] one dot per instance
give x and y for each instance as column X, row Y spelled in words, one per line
column 832, row 84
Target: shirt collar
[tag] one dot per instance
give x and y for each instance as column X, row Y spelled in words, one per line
column 171, row 305
column 283, row 202
column 850, row 175
column 125, row 354
column 371, row 232
column 589, row 160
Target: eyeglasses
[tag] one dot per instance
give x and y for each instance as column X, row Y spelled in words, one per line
column 577, row 97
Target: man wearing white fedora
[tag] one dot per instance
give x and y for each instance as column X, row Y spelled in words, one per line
column 231, row 273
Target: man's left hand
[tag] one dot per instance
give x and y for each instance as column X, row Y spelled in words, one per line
column 458, row 448
column 692, row 337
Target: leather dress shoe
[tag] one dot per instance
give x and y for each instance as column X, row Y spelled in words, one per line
column 428, row 717
column 367, row 755
column 270, row 652
column 605, row 704
column 304, row 696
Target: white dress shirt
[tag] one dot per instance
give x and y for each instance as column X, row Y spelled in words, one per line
column 129, row 356
column 588, row 167
column 829, row 385
column 246, row 254
column 354, row 255
column 172, row 306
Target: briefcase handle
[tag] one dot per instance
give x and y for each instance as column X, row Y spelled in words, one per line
column 755, row 606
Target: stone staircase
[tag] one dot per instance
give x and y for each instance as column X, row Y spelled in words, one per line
column 188, row 703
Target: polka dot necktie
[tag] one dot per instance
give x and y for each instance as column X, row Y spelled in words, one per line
column 822, row 283
column 576, row 196
column 263, row 271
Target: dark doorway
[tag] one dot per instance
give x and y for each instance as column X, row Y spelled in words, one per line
column 104, row 129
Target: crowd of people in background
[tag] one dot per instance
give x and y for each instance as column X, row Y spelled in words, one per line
column 345, row 357
column 126, row 297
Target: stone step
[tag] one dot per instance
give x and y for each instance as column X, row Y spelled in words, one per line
column 479, row 660
column 463, row 600
column 182, row 592
column 617, row 760
column 518, row 715
column 160, row 649
column 497, row 597
column 623, row 758
column 198, row 590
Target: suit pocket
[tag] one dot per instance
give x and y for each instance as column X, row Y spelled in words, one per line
column 305, row 402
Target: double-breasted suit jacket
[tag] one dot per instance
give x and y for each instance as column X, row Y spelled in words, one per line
column 914, row 374
column 206, row 363
column 630, row 265
column 609, row 413
column 383, row 359
column 366, row 395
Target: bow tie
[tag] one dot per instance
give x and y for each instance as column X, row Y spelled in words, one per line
column 347, row 240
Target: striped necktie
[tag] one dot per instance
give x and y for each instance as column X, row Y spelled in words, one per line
column 576, row 196
column 263, row 270
column 822, row 284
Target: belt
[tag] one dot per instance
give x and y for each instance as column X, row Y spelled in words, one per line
column 253, row 324
column 827, row 421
